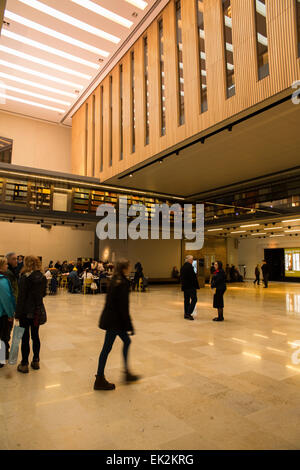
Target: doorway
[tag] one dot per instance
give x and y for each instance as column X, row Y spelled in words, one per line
column 275, row 259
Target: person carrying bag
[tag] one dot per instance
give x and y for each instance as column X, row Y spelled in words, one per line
column 30, row 310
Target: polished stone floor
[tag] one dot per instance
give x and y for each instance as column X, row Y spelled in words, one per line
column 206, row 385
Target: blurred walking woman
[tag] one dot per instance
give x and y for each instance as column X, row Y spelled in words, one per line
column 219, row 283
column 30, row 310
column 115, row 319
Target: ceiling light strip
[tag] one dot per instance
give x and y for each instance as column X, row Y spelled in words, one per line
column 292, row 220
column 36, row 85
column 46, row 63
column 138, row 3
column 44, row 47
column 104, row 12
column 40, row 74
column 70, row 20
column 250, row 225
column 55, row 34
column 31, row 103
column 35, row 95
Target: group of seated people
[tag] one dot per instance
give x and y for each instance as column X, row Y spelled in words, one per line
column 80, row 276
column 91, row 276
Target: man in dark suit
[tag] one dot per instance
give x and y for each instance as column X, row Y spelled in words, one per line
column 265, row 272
column 189, row 286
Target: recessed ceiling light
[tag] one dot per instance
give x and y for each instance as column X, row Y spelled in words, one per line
column 36, row 85
column 292, row 220
column 39, row 74
column 51, row 50
column 138, row 3
column 70, row 20
column 35, row 95
column 104, row 12
column 55, row 34
column 31, row 103
column 46, row 63
column 251, row 225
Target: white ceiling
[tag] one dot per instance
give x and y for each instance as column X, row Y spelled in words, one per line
column 16, row 39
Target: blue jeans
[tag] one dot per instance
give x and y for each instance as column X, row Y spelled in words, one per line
column 107, row 346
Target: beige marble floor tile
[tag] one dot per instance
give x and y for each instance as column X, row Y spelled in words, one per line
column 199, row 388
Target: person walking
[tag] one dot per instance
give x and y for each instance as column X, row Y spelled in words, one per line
column 115, row 320
column 7, row 307
column 137, row 276
column 257, row 275
column 30, row 310
column 219, row 283
column 265, row 272
column 189, row 286
column 212, row 270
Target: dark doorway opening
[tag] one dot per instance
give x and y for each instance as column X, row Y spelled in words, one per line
column 275, row 259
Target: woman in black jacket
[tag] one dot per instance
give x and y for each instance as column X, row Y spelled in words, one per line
column 30, row 310
column 219, row 283
column 115, row 319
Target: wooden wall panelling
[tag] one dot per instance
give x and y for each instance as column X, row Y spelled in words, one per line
column 97, row 133
column 116, row 120
column 78, row 141
column 90, row 138
column 191, row 64
column 171, row 74
column 105, row 84
column 127, row 108
column 284, row 69
column 139, row 101
column 154, row 89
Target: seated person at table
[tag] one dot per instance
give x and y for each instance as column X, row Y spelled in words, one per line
column 74, row 284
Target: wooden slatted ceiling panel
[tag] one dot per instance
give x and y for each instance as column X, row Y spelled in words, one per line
column 284, row 70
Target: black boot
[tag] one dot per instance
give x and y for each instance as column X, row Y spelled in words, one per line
column 189, row 317
column 130, row 377
column 220, row 315
column 102, row 384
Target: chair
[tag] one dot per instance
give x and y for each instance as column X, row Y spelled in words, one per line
column 87, row 282
column 64, row 282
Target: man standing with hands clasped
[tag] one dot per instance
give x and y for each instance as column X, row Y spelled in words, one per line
column 189, row 286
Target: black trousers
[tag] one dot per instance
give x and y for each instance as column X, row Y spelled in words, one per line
column 30, row 329
column 107, row 346
column 266, row 280
column 190, row 300
column 257, row 280
column 5, row 330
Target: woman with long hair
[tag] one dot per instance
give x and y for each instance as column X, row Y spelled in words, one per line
column 219, row 283
column 30, row 310
column 115, row 319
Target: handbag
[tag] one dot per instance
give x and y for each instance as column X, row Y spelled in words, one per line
column 94, row 286
column 14, row 350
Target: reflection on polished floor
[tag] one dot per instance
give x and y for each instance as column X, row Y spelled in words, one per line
column 206, row 385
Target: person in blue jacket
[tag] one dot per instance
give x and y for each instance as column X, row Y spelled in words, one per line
column 7, row 308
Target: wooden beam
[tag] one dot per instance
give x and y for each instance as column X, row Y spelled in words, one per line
column 2, row 8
